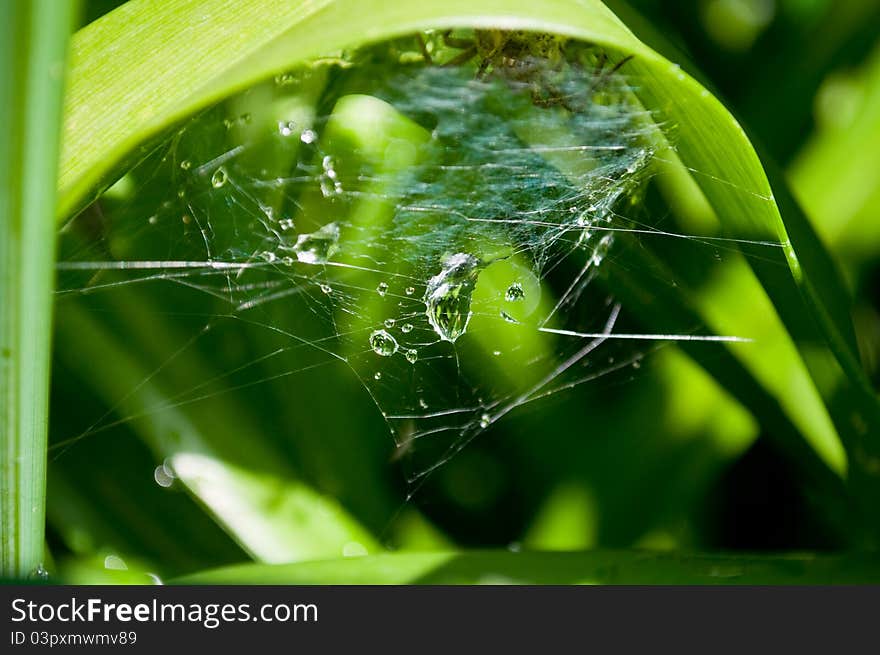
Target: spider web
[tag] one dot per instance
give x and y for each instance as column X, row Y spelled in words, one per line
column 440, row 231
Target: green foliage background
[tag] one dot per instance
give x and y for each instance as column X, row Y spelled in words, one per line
column 700, row 453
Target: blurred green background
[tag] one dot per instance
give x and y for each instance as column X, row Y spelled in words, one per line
column 663, row 460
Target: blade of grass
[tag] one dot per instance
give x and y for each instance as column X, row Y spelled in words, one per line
column 589, row 567
column 33, row 41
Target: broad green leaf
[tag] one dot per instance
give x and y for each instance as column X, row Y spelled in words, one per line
column 589, row 567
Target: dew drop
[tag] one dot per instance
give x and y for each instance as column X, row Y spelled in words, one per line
column 39, row 573
column 115, row 563
column 330, row 184
column 185, row 164
column 383, row 343
column 382, row 289
column 389, row 323
column 308, row 136
column 164, row 476
column 406, row 328
column 423, row 403
column 377, row 376
column 218, row 179
column 268, row 256
column 284, row 79
column 286, row 128
column 412, row 355
column 152, row 220
column 507, row 317
column 286, row 224
column 319, row 246
column 410, row 291
column 514, row 292
column 485, row 420
column 325, row 288
column 448, row 296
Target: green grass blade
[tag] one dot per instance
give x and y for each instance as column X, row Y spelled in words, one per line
column 33, row 40
column 589, row 567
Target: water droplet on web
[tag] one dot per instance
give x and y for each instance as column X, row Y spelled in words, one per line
column 383, row 343
column 496, row 353
column 286, row 128
column 319, row 246
column 218, row 179
column 412, row 355
column 308, row 136
column 286, row 224
column 448, row 296
column 268, row 256
column 422, row 403
column 377, row 376
column 485, row 420
column 382, row 289
column 164, row 476
column 330, row 184
column 152, row 220
column 514, row 292
column 389, row 323
column 325, row 288
column 406, row 328
column 115, row 563
column 410, row 291
column 39, row 573
column 186, row 164
column 181, row 193
column 186, row 219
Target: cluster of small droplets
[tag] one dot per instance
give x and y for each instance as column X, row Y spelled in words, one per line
column 330, row 183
